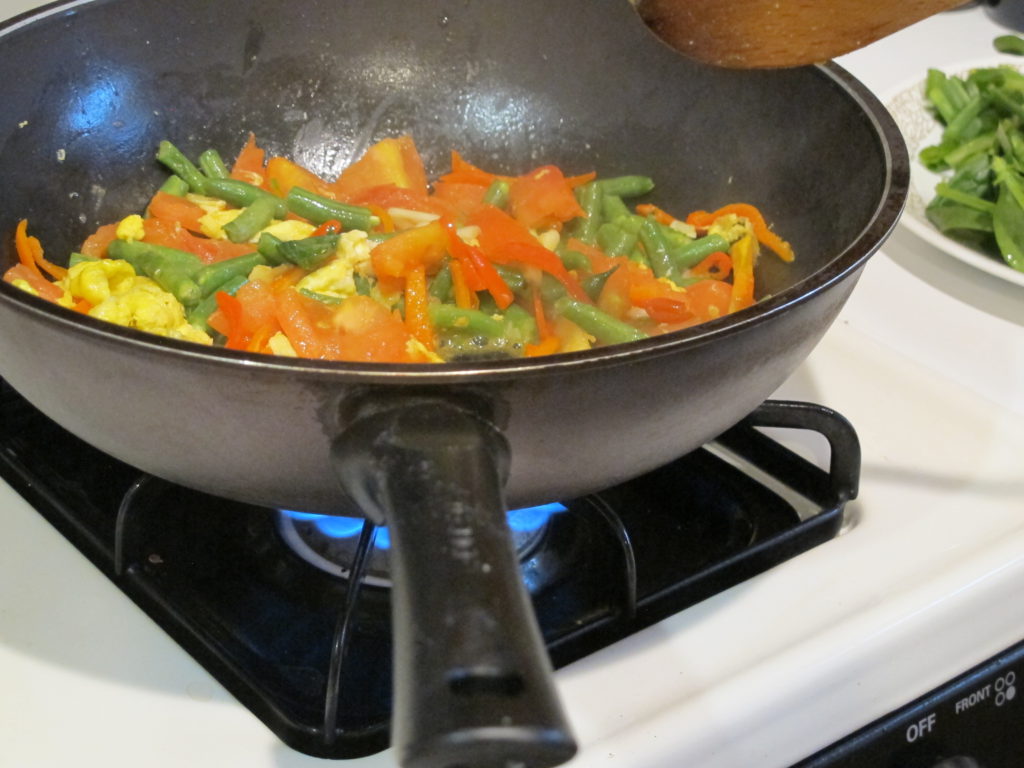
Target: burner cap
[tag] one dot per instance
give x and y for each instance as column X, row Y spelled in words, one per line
column 329, row 542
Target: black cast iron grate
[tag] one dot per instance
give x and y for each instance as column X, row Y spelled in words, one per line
column 310, row 654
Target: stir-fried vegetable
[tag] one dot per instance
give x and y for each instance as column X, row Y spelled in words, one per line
column 379, row 265
column 981, row 154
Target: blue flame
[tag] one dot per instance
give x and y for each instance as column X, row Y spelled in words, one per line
column 522, row 520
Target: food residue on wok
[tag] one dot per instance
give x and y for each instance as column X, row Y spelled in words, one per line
column 380, row 265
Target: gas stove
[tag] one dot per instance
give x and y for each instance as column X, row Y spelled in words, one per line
column 878, row 602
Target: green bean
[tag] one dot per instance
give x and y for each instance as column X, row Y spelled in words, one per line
column 585, row 228
column 200, row 313
column 441, row 285
column 631, row 223
column 573, row 259
column 513, row 278
column 639, row 256
column 309, row 252
column 614, row 240
column 319, row 209
column 171, row 269
column 210, row 277
column 175, row 185
column 364, row 286
column 612, row 207
column 626, row 186
column 520, row 325
column 243, row 194
column 551, row 289
column 269, row 247
column 251, row 220
column 78, row 258
column 697, row 250
column 1012, row 44
column 656, row 249
column 487, row 304
column 173, row 158
column 212, row 165
column 471, row 320
column 600, row 325
column 594, row 284
column 497, row 193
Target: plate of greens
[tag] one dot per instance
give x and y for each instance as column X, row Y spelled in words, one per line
column 965, row 133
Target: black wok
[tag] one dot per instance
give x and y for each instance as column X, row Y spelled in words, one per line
column 88, row 90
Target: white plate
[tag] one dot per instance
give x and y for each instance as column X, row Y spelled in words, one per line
column 920, row 129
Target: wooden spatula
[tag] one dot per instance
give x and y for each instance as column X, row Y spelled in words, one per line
column 758, row 34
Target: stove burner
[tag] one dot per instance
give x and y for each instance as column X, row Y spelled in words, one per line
column 330, row 542
column 309, row 653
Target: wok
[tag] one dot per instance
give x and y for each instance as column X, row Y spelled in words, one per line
column 89, row 89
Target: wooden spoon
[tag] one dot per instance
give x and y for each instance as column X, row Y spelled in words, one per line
column 759, row 34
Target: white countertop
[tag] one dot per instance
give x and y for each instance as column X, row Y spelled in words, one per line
column 927, row 361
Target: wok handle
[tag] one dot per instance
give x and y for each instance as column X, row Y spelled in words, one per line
column 473, row 682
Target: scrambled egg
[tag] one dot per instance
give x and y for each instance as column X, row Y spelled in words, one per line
column 279, row 345
column 289, row 229
column 120, row 296
column 131, row 228
column 213, row 221
column 731, row 227
column 337, row 277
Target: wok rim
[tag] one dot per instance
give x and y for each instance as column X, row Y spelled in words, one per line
column 881, row 223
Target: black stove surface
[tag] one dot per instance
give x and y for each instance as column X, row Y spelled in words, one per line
column 308, row 651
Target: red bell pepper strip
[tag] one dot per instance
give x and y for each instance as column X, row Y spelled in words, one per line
column 484, row 270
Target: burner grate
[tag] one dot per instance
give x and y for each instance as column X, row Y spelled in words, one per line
column 309, row 653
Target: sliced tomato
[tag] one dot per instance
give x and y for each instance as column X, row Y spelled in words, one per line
column 389, row 161
column 282, row 174
column 359, row 329
column 464, row 172
column 371, row 333
column 43, row 287
column 709, row 298
column 543, row 198
column 421, row 246
column 497, row 229
column 173, row 208
column 391, row 196
column 248, row 319
column 209, row 250
column 250, row 164
column 95, row 245
column 460, row 200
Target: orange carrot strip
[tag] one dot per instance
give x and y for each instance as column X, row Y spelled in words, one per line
column 660, row 216
column 464, row 297
column 417, row 313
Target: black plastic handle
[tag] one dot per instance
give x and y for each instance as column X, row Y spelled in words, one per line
column 473, row 681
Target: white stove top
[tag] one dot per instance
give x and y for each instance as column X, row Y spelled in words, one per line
column 927, row 362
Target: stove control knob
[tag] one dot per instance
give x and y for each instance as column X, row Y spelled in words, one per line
column 958, row 762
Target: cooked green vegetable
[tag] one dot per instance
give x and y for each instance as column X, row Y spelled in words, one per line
column 981, row 155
